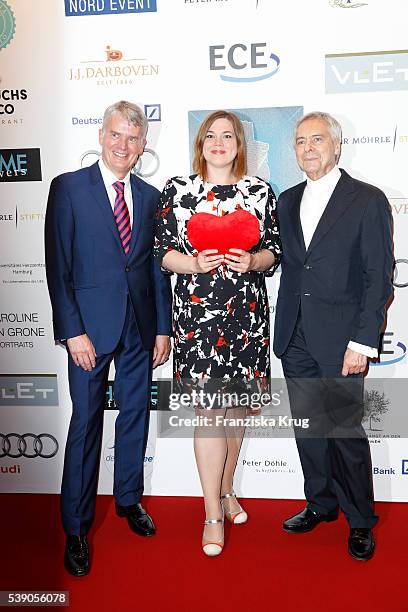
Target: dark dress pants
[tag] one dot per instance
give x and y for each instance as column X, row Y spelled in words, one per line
column 334, row 453
column 83, row 447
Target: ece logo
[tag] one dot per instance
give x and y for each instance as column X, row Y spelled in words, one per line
column 395, row 354
column 244, row 63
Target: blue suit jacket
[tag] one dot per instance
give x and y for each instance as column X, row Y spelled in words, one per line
column 343, row 281
column 89, row 276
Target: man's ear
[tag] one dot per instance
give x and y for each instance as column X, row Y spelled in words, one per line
column 337, row 151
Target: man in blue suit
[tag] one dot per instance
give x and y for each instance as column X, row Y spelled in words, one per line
column 110, row 301
column 336, row 280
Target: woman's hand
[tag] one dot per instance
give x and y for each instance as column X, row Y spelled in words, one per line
column 243, row 261
column 207, row 260
column 239, row 260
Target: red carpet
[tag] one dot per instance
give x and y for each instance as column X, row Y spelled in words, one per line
column 261, row 568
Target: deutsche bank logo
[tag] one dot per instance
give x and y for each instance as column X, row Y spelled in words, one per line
column 153, row 112
column 244, row 63
column 78, row 8
column 373, row 71
column 405, row 466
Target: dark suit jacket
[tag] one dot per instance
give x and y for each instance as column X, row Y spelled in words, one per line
column 344, row 279
column 89, row 276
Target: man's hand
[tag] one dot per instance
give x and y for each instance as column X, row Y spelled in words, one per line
column 239, row 260
column 353, row 363
column 82, row 352
column 161, row 351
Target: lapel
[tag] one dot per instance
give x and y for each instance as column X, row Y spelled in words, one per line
column 99, row 194
column 294, row 214
column 137, row 198
column 339, row 202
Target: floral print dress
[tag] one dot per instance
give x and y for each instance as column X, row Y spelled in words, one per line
column 221, row 318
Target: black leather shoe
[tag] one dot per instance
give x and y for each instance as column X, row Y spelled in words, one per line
column 306, row 521
column 138, row 519
column 76, row 558
column 361, row 543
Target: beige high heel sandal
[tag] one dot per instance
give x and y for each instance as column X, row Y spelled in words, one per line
column 213, row 549
column 237, row 518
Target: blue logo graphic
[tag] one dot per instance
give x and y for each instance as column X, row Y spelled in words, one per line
column 404, row 467
column 79, row 8
column 403, row 350
column 7, row 24
column 253, row 61
column 153, row 112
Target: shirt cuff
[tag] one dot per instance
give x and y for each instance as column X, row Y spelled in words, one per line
column 368, row 351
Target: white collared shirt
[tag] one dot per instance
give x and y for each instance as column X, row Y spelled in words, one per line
column 315, row 198
column 109, row 178
column 314, row 201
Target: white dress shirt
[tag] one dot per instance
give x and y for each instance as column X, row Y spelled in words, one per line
column 109, row 178
column 314, row 201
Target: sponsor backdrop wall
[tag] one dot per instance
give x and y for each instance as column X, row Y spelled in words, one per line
column 62, row 62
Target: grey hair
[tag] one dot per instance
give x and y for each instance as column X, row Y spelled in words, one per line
column 332, row 123
column 129, row 111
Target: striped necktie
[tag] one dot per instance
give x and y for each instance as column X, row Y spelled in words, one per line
column 121, row 214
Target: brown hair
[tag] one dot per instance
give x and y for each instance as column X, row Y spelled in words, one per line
column 239, row 166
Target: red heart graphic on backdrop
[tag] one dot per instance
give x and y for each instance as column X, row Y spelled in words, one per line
column 237, row 230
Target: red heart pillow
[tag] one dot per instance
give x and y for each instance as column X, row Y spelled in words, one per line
column 237, row 230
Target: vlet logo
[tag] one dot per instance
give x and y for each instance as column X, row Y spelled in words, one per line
column 372, row 71
column 28, row 390
column 244, row 62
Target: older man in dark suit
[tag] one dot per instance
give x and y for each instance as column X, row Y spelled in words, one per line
column 336, row 280
column 110, row 301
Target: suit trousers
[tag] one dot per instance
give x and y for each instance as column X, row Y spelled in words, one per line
column 335, row 453
column 133, row 366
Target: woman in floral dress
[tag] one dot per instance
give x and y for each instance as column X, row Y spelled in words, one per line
column 221, row 313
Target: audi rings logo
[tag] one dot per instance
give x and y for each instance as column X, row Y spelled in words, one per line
column 90, row 157
column 400, row 273
column 28, row 445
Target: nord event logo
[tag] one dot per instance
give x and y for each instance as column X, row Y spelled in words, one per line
column 373, row 71
column 77, row 8
column 244, row 63
column 20, row 165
